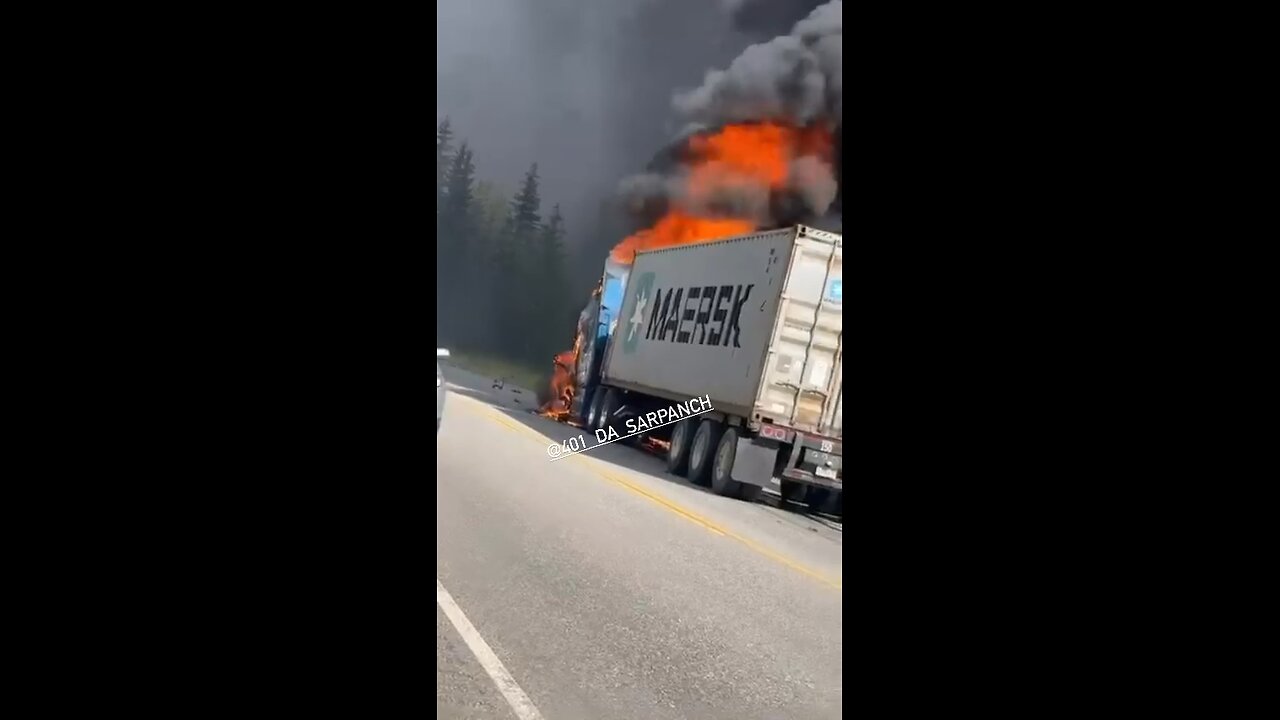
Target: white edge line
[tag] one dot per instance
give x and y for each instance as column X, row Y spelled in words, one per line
column 624, row 437
column 519, row 702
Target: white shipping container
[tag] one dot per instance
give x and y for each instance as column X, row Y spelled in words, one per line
column 753, row 321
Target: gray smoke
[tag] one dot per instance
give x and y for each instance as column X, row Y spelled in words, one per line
column 811, row 178
column 582, row 87
column 649, row 195
column 767, row 18
column 795, row 77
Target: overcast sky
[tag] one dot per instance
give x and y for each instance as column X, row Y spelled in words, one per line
column 584, row 88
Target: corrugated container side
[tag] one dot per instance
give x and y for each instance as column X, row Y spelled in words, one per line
column 697, row 320
column 802, row 386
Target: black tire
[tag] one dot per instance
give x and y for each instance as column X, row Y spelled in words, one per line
column 607, row 408
column 678, row 454
column 722, row 482
column 593, row 412
column 703, row 451
column 794, row 492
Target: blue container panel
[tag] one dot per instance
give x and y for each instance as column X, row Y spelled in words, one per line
column 613, row 285
column 615, row 280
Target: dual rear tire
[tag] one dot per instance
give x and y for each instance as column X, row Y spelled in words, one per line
column 705, row 440
column 707, row 457
column 704, row 451
column 604, row 403
column 678, row 453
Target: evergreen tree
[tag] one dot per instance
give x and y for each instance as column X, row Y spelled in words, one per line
column 488, row 223
column 495, row 251
column 551, row 240
column 553, row 299
column 444, row 149
column 521, row 225
column 444, row 142
column 525, row 205
column 454, row 236
column 482, row 278
column 456, row 214
column 518, row 269
column 490, row 208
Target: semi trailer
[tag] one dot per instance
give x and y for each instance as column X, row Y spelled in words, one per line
column 752, row 323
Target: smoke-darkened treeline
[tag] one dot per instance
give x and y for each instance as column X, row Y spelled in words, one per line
column 500, row 262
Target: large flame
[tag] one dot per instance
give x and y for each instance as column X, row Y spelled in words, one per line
column 678, row 228
column 737, row 160
column 563, row 387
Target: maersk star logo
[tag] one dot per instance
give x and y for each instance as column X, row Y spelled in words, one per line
column 638, row 318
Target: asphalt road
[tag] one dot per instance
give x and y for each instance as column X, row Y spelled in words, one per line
column 599, row 587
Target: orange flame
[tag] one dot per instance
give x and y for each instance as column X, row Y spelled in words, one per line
column 752, row 156
column 564, row 371
column 738, row 156
column 678, row 228
column 562, row 383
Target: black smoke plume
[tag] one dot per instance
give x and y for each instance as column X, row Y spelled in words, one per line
column 796, row 79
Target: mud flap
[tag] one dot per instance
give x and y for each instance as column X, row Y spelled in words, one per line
column 753, row 462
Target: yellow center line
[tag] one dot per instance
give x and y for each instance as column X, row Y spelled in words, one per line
column 664, row 502
column 628, row 485
column 475, row 407
column 508, row 423
column 719, row 529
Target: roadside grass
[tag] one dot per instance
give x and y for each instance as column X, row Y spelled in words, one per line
column 492, row 366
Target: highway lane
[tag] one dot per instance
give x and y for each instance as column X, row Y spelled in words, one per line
column 606, row 589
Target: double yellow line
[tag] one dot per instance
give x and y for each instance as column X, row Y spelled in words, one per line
column 666, row 503
column 720, row 529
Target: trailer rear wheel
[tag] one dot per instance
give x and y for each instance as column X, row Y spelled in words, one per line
column 678, row 453
column 703, row 450
column 722, row 482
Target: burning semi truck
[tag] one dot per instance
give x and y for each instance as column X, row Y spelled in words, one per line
column 729, row 292
column 751, row 321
